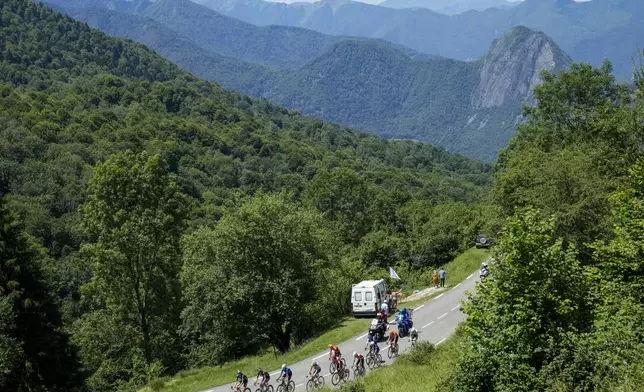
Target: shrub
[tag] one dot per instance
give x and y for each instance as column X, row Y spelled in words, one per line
column 420, row 354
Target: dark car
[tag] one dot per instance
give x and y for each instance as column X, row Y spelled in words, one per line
column 483, row 241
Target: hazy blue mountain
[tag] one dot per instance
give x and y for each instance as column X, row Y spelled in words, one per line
column 585, row 30
column 448, row 7
column 468, row 107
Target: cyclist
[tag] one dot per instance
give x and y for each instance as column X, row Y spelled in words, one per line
column 374, row 347
column 241, row 380
column 358, row 360
column 315, row 370
column 413, row 335
column 335, row 356
column 286, row 372
column 265, row 378
column 393, row 339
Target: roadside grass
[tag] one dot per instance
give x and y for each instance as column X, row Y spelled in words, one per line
column 195, row 380
column 457, row 271
column 432, row 374
column 204, row 378
column 464, row 265
column 426, row 370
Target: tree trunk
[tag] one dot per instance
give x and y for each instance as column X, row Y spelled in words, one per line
column 145, row 330
column 281, row 339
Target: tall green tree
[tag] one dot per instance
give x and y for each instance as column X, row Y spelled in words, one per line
column 343, row 196
column 526, row 314
column 258, row 277
column 134, row 214
column 573, row 151
column 617, row 343
column 35, row 354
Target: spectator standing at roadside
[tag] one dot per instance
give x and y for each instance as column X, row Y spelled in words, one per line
column 394, row 299
column 435, row 279
column 441, row 275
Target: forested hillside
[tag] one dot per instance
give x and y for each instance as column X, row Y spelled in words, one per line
column 135, row 197
column 563, row 309
column 367, row 84
column 562, row 306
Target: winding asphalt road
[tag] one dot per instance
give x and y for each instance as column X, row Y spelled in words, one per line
column 435, row 319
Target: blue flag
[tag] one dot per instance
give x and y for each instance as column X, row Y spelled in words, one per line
column 393, row 273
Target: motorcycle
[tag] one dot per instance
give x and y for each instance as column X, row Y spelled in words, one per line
column 378, row 329
column 404, row 325
column 483, row 273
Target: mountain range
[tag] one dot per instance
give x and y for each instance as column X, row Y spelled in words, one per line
column 448, row 7
column 588, row 31
column 391, row 90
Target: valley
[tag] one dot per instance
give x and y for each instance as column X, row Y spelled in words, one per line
column 366, row 84
column 185, row 195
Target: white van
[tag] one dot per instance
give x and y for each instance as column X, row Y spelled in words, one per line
column 367, row 296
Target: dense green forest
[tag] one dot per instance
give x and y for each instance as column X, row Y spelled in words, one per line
column 564, row 308
column 135, row 197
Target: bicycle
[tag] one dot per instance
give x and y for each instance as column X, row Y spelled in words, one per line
column 340, row 376
column 373, row 360
column 316, row 382
column 358, row 371
column 333, row 366
column 267, row 388
column 285, row 387
column 392, row 350
column 240, row 389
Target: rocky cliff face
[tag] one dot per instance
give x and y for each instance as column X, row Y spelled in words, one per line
column 513, row 65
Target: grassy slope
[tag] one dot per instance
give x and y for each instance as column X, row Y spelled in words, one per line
column 200, row 379
column 432, row 376
column 457, row 270
column 465, row 264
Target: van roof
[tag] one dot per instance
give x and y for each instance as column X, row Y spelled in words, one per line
column 369, row 283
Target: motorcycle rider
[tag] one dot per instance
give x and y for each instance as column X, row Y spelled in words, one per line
column 383, row 316
column 404, row 318
column 483, row 271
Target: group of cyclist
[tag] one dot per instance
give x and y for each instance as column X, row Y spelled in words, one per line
column 334, row 355
column 242, row 379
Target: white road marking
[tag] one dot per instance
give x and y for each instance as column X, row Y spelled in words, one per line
column 359, row 337
column 441, row 316
column 427, row 325
column 456, row 307
column 299, row 385
column 419, row 307
column 320, row 356
column 469, row 277
column 439, row 296
column 441, row 341
column 272, row 374
column 456, row 286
